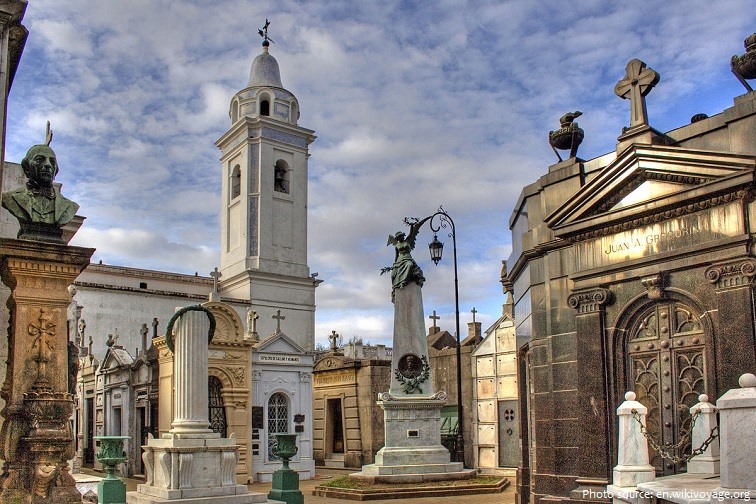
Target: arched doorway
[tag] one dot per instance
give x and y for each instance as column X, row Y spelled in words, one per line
column 217, row 412
column 278, row 421
column 667, row 368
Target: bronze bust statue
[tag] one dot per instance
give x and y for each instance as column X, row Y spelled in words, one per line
column 39, row 207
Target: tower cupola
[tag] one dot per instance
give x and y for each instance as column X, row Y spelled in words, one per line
column 265, row 95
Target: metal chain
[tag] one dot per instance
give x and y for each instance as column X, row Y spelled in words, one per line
column 667, row 451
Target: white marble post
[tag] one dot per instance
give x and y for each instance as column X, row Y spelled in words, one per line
column 737, row 418
column 632, row 453
column 190, row 374
column 708, row 461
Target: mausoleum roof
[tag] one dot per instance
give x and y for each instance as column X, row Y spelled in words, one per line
column 264, row 71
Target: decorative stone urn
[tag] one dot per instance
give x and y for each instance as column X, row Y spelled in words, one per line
column 111, row 490
column 285, row 481
column 744, row 67
column 569, row 136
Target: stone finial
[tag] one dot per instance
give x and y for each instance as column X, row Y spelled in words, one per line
column 747, row 380
column 639, row 80
column 568, row 136
column 744, row 67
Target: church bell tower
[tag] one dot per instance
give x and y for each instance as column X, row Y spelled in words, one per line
column 264, row 204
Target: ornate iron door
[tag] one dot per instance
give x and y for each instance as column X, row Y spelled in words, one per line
column 667, row 371
column 278, row 421
column 215, row 402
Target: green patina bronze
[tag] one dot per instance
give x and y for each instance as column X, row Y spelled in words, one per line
column 111, row 490
column 39, row 207
column 405, row 270
column 285, row 485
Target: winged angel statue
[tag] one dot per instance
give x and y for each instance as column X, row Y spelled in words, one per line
column 404, row 270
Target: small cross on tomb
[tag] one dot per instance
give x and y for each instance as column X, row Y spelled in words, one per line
column 216, row 275
column 474, row 311
column 144, row 332
column 334, row 338
column 638, row 81
column 252, row 317
column 278, row 318
column 154, row 327
column 434, row 317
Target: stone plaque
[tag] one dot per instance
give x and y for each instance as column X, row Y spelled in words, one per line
column 659, row 237
column 280, row 359
column 341, row 376
column 257, row 417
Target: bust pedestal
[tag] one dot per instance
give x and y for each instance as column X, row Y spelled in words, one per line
column 37, row 435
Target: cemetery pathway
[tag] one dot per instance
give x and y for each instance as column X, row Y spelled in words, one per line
column 324, row 474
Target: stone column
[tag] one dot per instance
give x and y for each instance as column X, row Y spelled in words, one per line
column 190, row 373
column 734, row 291
column 632, row 454
column 706, row 421
column 737, row 417
column 37, row 435
column 593, row 450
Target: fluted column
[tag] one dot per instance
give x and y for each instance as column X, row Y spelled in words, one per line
column 190, row 373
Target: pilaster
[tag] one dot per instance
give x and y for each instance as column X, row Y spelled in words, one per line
column 593, row 465
column 733, row 284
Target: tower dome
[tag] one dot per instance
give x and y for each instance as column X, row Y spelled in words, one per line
column 264, row 71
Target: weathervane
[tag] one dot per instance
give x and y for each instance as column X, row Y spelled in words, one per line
column 264, row 34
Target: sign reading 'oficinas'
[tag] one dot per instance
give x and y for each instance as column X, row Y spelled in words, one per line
column 661, row 237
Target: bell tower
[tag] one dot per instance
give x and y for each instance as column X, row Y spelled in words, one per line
column 264, row 204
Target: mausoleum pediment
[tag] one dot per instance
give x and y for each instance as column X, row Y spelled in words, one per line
column 116, row 358
column 228, row 324
column 280, row 343
column 648, row 180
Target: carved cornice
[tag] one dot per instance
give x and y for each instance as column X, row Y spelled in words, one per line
column 589, row 301
column 643, row 220
column 732, row 274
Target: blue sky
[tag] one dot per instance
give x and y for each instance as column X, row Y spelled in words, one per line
column 415, row 105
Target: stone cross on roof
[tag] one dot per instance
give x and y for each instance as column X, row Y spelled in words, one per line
column 333, row 338
column 154, row 327
column 434, row 317
column 216, row 275
column 474, row 311
column 638, row 81
column 278, row 318
column 252, row 317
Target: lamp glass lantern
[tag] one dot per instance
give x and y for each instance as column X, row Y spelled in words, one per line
column 436, row 249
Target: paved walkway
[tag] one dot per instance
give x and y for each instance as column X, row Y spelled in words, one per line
column 324, row 474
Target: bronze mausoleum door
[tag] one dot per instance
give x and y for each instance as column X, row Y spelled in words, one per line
column 667, row 371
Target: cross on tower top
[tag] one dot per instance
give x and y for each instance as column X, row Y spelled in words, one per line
column 638, row 81
column 278, row 318
column 474, row 311
column 434, row 317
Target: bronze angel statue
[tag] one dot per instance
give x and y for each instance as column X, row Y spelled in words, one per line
column 404, row 270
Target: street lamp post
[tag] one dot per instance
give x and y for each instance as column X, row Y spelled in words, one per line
column 439, row 220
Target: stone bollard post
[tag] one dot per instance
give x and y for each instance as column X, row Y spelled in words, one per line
column 708, row 461
column 632, row 454
column 737, row 417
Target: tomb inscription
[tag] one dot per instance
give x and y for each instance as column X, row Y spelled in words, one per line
column 654, row 238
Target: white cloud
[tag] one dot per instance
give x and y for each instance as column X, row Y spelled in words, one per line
column 414, row 105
